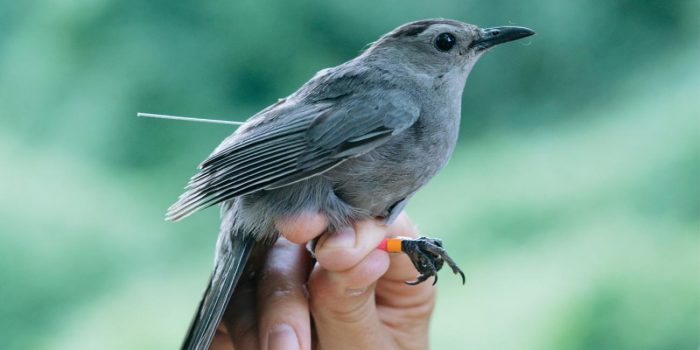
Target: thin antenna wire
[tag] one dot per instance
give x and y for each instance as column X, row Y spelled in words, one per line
column 188, row 119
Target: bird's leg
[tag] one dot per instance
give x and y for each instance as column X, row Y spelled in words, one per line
column 426, row 254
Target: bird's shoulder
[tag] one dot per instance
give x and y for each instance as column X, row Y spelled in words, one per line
column 355, row 78
column 329, row 87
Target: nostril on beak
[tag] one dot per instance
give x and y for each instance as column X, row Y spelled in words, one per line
column 499, row 35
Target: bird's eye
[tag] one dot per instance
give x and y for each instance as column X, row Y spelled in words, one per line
column 445, row 41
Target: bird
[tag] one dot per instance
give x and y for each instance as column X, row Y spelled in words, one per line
column 355, row 142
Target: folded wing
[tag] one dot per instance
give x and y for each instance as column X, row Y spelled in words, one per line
column 294, row 143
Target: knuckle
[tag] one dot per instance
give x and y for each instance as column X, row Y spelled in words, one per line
column 349, row 313
column 284, row 291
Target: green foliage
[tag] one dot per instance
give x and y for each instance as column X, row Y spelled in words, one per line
column 572, row 203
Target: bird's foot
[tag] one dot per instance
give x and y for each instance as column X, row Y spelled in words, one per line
column 426, row 254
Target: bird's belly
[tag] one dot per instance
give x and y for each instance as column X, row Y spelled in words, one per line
column 377, row 180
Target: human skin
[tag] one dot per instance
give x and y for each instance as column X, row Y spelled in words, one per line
column 353, row 297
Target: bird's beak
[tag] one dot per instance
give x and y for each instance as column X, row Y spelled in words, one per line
column 499, row 35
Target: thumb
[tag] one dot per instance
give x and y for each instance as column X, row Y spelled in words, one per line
column 342, row 302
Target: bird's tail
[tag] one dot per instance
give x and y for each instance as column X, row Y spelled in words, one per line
column 227, row 271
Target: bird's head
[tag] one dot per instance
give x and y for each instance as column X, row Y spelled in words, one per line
column 440, row 47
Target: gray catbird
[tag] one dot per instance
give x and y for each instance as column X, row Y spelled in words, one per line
column 355, row 142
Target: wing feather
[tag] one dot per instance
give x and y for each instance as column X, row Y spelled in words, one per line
column 290, row 143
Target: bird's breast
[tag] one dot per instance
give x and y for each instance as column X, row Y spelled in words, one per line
column 398, row 168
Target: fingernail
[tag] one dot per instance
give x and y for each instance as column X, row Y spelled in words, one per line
column 282, row 337
column 344, row 238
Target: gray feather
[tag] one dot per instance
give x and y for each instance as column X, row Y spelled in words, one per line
column 304, row 141
column 227, row 271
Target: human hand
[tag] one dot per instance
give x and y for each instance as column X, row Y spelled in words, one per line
column 354, row 297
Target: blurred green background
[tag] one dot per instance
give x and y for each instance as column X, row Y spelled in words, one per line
column 572, row 202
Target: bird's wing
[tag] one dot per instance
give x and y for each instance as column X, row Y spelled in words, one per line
column 296, row 142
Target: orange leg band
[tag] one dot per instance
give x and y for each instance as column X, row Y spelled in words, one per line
column 391, row 245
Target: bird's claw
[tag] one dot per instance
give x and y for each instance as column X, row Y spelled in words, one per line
column 428, row 256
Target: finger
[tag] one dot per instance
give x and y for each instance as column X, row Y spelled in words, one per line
column 303, row 227
column 407, row 308
column 241, row 313
column 338, row 251
column 241, row 316
column 283, row 309
column 391, row 289
column 342, row 288
column 342, row 305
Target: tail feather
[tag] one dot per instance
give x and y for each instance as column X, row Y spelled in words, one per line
column 227, row 272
